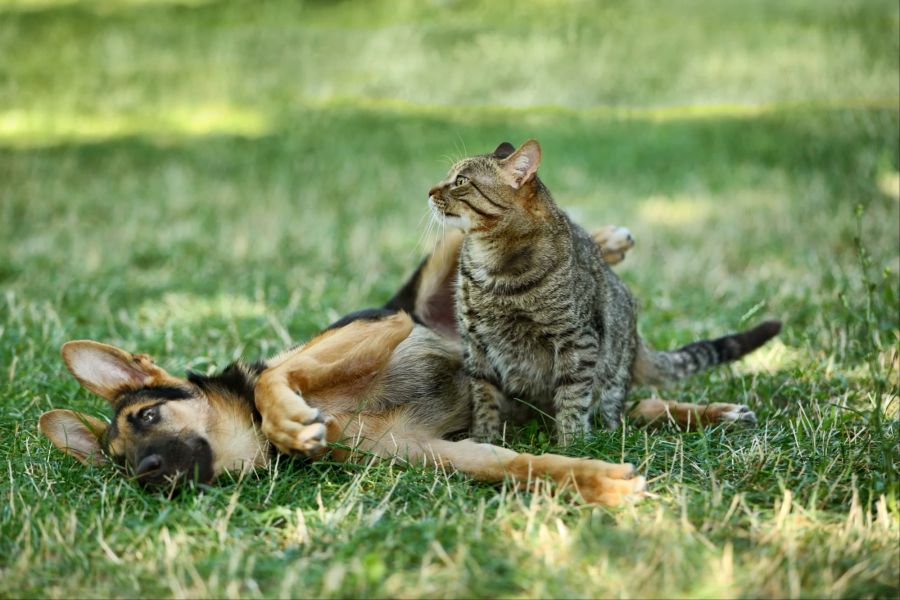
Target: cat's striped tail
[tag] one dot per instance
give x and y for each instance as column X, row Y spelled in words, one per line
column 654, row 367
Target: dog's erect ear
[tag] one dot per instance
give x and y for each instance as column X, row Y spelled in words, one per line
column 75, row 433
column 108, row 371
column 503, row 150
column 520, row 167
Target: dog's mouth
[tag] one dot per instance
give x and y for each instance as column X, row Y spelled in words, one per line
column 171, row 479
column 174, row 462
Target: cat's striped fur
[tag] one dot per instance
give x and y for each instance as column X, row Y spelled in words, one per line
column 544, row 320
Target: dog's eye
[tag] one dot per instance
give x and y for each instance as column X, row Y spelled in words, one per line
column 149, row 415
column 460, row 180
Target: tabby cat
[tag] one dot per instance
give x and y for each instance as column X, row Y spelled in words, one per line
column 543, row 318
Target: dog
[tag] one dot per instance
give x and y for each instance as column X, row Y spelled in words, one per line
column 381, row 383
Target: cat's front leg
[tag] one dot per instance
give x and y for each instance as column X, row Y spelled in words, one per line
column 486, row 398
column 572, row 399
column 575, row 378
column 486, row 403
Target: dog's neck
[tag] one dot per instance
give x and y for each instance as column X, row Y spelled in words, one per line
column 236, row 437
column 234, row 425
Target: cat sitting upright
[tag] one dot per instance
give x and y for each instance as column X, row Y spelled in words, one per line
column 543, row 318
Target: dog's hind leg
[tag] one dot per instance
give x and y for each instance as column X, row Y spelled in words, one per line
column 689, row 416
column 351, row 355
column 614, row 242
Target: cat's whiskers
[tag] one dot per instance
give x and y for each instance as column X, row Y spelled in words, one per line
column 425, row 234
column 426, row 242
column 443, row 242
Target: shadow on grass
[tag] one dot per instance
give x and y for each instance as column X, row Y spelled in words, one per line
column 125, row 221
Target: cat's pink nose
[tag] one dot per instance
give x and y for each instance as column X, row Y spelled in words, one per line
column 434, row 192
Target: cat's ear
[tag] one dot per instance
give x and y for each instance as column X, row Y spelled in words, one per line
column 75, row 433
column 520, row 167
column 503, row 150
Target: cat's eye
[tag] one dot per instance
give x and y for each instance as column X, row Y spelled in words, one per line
column 149, row 415
column 460, row 180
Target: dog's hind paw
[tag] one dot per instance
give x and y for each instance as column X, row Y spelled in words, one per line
column 614, row 242
column 737, row 414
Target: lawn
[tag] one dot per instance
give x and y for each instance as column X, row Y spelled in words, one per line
column 206, row 180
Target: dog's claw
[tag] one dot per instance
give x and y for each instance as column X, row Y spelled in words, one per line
column 318, row 418
column 738, row 414
column 312, row 439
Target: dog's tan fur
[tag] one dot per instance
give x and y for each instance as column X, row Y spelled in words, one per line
column 373, row 388
column 358, row 387
column 391, row 433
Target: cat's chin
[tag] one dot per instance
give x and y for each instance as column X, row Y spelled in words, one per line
column 460, row 222
column 463, row 223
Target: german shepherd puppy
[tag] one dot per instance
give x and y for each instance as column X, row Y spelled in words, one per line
column 382, row 383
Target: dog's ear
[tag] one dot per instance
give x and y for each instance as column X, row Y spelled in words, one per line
column 108, row 371
column 520, row 167
column 76, row 434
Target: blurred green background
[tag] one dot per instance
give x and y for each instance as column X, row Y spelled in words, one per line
column 204, row 180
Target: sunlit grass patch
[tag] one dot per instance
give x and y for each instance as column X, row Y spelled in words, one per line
column 889, row 184
column 184, row 310
column 674, row 212
column 24, row 128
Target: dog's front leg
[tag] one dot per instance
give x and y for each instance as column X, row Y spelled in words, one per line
column 596, row 481
column 338, row 362
column 288, row 422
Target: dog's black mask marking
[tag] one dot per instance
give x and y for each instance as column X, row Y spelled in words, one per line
column 174, row 460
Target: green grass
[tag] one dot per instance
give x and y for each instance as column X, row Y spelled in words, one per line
column 206, row 180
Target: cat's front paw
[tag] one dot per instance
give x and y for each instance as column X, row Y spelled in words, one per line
column 614, row 243
column 570, row 428
column 487, row 423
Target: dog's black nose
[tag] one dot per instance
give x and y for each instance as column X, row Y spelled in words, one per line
column 149, row 465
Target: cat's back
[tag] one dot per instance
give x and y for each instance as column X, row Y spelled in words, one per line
column 610, row 296
column 588, row 263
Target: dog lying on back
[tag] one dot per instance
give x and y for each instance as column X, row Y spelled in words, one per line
column 383, row 383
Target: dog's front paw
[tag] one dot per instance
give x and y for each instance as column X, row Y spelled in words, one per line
column 614, row 243
column 292, row 438
column 293, row 426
